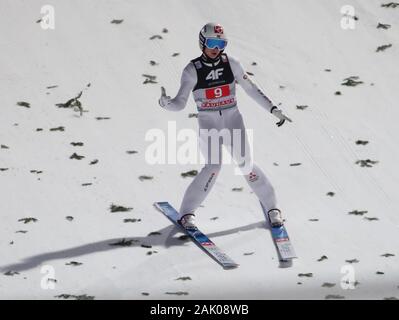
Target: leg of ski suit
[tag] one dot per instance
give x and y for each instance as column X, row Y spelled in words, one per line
column 241, row 153
column 199, row 188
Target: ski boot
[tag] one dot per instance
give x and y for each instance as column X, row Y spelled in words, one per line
column 187, row 221
column 275, row 218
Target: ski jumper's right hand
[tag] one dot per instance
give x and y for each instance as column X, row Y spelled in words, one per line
column 164, row 100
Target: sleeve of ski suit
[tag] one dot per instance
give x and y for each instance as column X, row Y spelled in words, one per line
column 187, row 83
column 249, row 86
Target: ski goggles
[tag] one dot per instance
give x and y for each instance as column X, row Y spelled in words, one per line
column 213, row 43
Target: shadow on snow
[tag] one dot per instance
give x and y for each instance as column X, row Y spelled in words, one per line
column 101, row 246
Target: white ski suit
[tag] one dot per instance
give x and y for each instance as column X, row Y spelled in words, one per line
column 213, row 87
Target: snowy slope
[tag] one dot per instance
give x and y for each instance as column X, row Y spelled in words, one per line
column 293, row 43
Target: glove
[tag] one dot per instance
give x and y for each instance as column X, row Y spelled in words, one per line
column 164, row 100
column 279, row 114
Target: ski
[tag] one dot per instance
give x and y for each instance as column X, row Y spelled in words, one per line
column 197, row 237
column 281, row 240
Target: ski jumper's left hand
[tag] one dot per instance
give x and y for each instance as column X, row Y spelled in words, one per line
column 280, row 115
column 253, row 90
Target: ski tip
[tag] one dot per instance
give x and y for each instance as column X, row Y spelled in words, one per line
column 231, row 266
column 158, row 204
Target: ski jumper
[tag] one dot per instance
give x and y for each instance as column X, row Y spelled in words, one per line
column 213, row 84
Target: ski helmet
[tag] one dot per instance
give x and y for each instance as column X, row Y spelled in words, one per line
column 212, row 36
